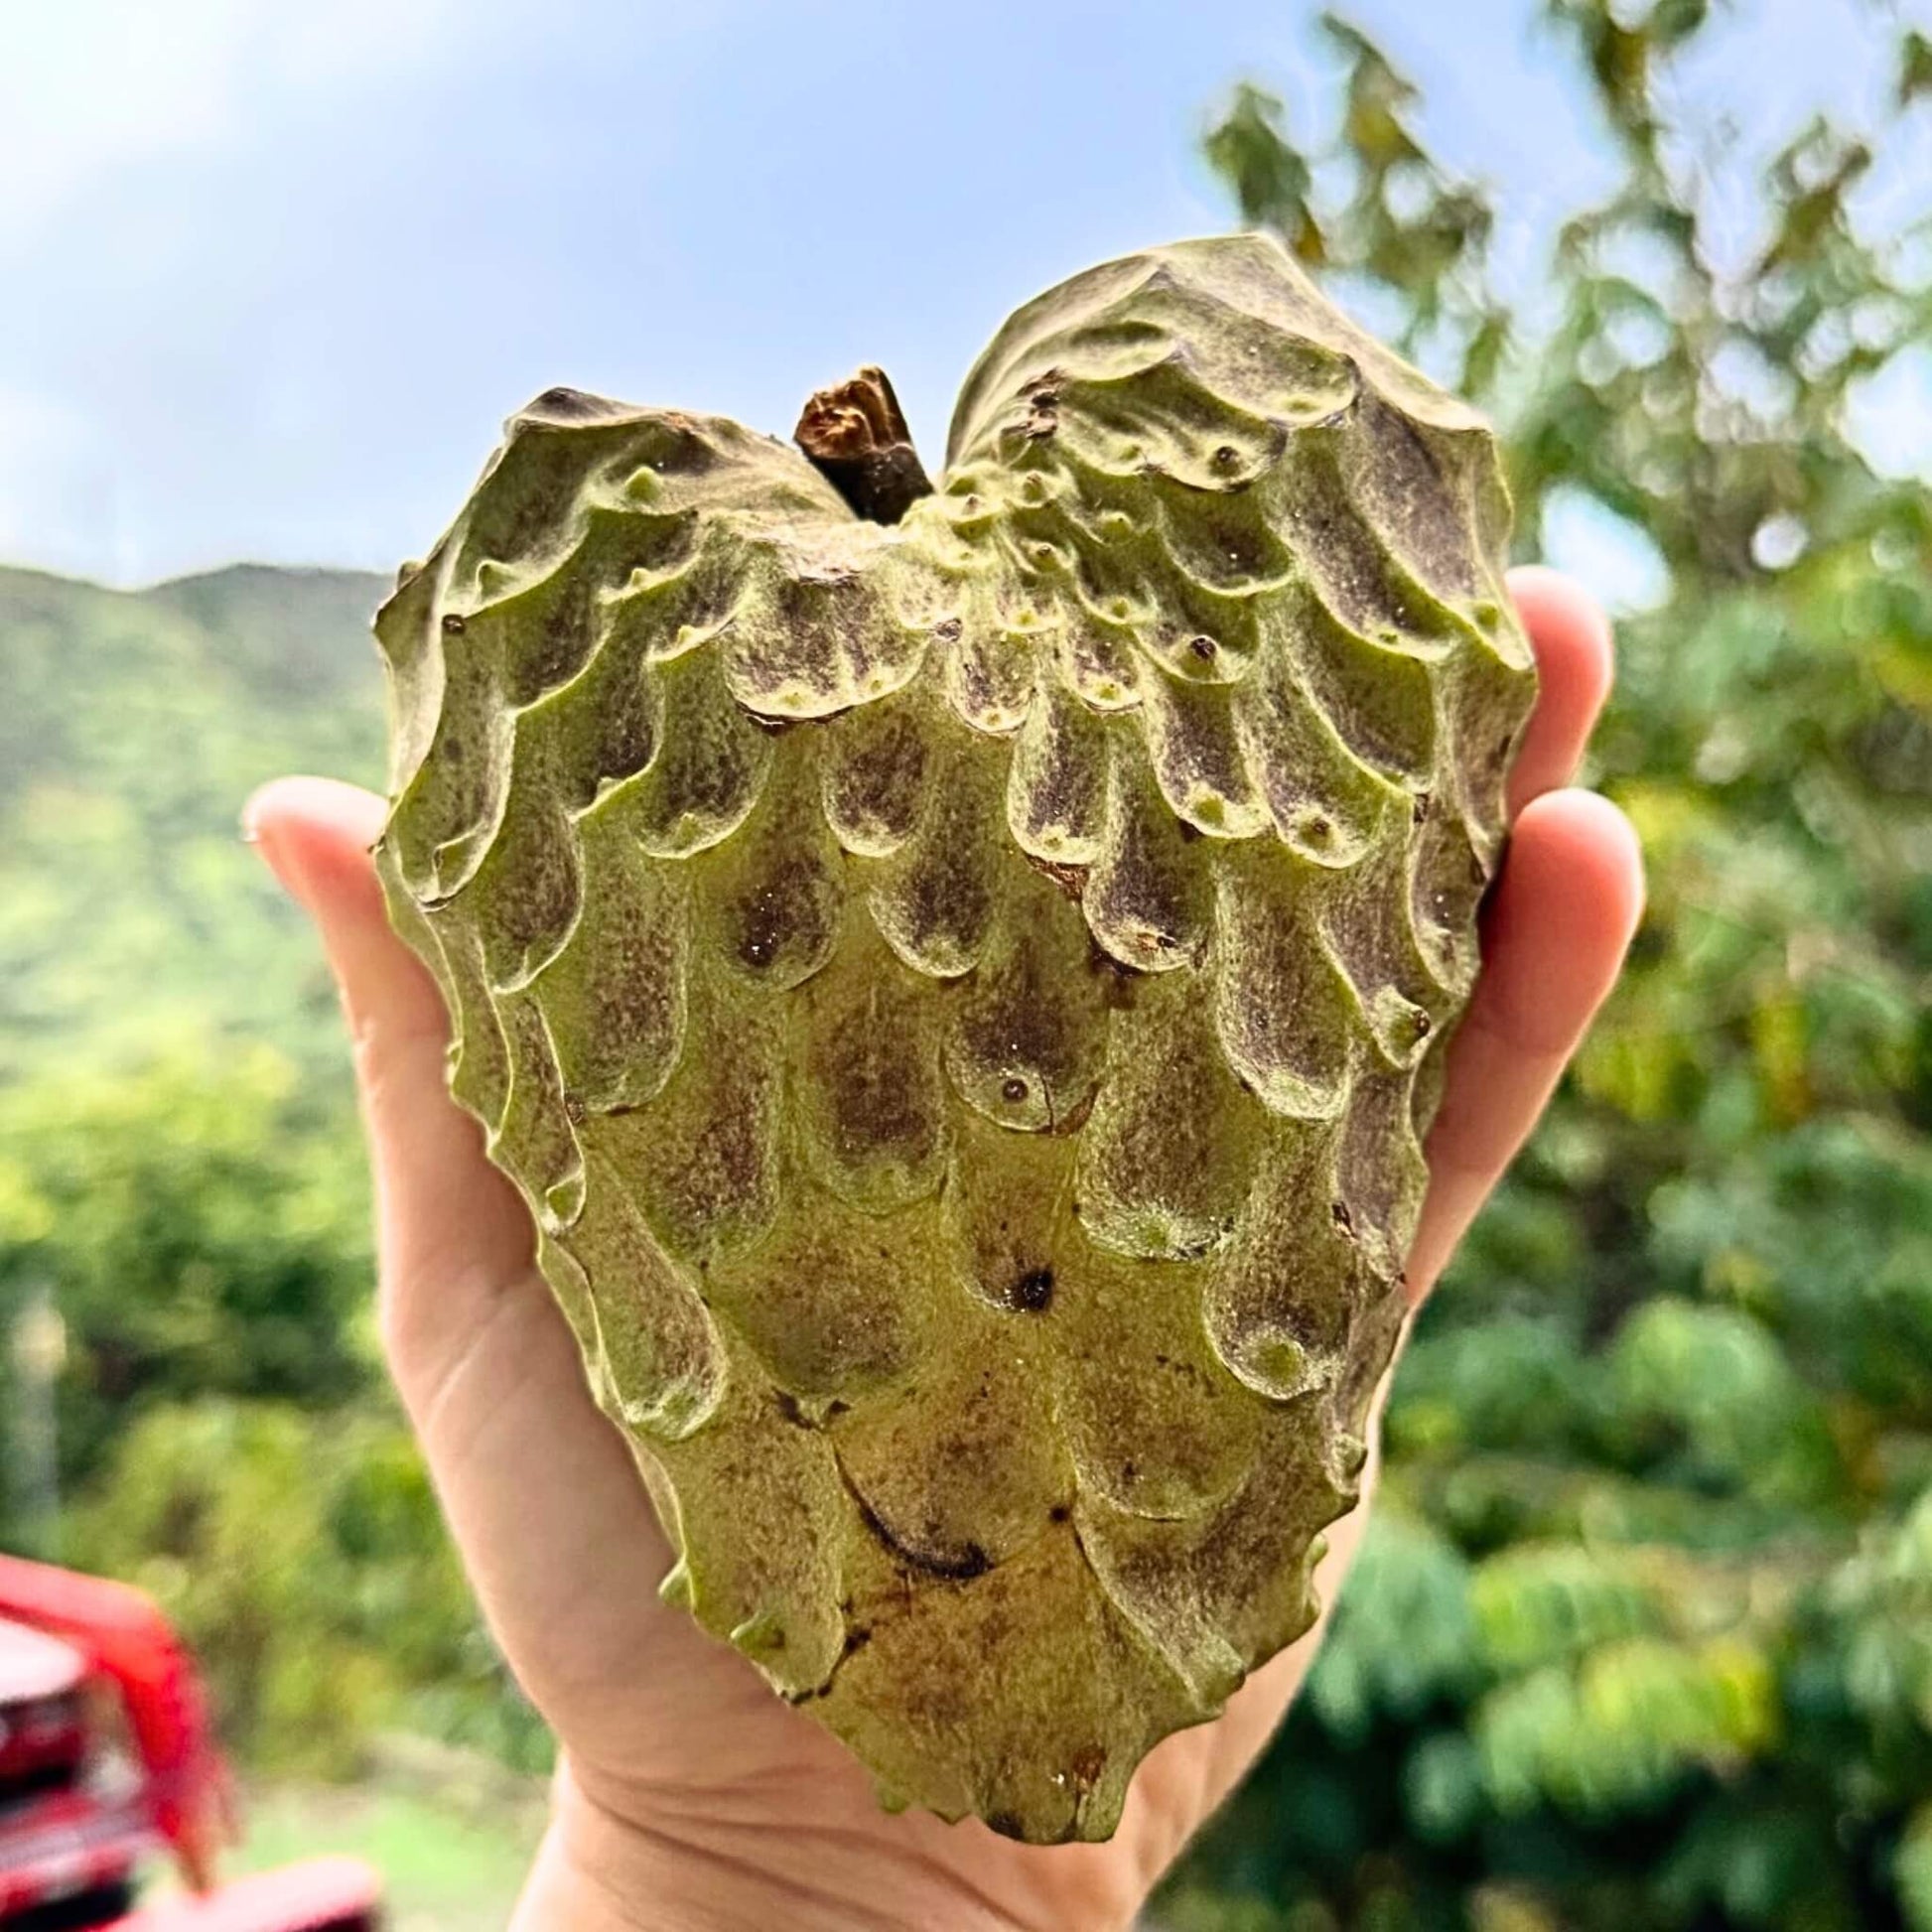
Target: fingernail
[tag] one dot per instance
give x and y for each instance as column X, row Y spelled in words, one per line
column 274, row 856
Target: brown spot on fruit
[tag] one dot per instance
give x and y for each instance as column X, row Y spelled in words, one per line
column 970, row 1561
column 1033, row 1292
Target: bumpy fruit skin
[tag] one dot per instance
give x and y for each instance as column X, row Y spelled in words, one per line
column 961, row 998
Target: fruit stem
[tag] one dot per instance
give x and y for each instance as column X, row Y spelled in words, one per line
column 856, row 437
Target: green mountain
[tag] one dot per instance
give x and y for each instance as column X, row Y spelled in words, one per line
column 132, row 919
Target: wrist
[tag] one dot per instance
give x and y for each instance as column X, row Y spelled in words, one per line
column 597, row 1872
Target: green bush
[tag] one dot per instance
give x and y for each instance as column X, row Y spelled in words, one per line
column 301, row 1555
column 202, row 1223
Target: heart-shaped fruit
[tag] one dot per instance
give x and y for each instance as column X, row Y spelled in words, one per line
column 960, row 985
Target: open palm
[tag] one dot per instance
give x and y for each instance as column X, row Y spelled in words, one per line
column 688, row 1795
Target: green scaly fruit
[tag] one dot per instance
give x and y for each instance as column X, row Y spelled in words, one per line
column 960, row 995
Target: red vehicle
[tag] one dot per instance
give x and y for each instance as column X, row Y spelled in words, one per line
column 107, row 1757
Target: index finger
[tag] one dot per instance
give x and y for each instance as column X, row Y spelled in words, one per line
column 1571, row 636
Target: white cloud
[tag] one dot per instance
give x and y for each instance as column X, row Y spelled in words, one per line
column 95, row 84
column 344, row 39
column 58, row 495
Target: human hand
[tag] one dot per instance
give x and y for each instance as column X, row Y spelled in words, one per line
column 688, row 1795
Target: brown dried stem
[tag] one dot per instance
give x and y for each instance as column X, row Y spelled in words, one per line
column 854, row 435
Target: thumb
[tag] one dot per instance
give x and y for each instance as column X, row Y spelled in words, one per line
column 448, row 1222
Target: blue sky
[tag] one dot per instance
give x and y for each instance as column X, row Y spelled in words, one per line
column 275, row 273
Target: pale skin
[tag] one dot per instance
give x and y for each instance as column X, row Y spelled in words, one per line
column 688, row 1797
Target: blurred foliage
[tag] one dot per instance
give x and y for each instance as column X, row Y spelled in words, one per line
column 202, row 1225
column 135, row 725
column 301, row 1557
column 179, row 1166
column 1643, row 1637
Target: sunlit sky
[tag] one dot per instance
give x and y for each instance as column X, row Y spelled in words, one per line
column 273, row 273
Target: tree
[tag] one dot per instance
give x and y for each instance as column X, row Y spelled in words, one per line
column 202, row 1222
column 1645, row 1635
column 300, row 1554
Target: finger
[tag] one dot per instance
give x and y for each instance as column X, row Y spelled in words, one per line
column 541, row 1492
column 1570, row 638
column 1566, row 908
column 444, row 1214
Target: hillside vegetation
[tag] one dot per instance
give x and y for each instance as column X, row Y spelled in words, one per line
column 131, row 916
column 180, row 1162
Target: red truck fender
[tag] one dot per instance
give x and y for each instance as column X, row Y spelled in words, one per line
column 322, row 1895
column 126, row 1638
